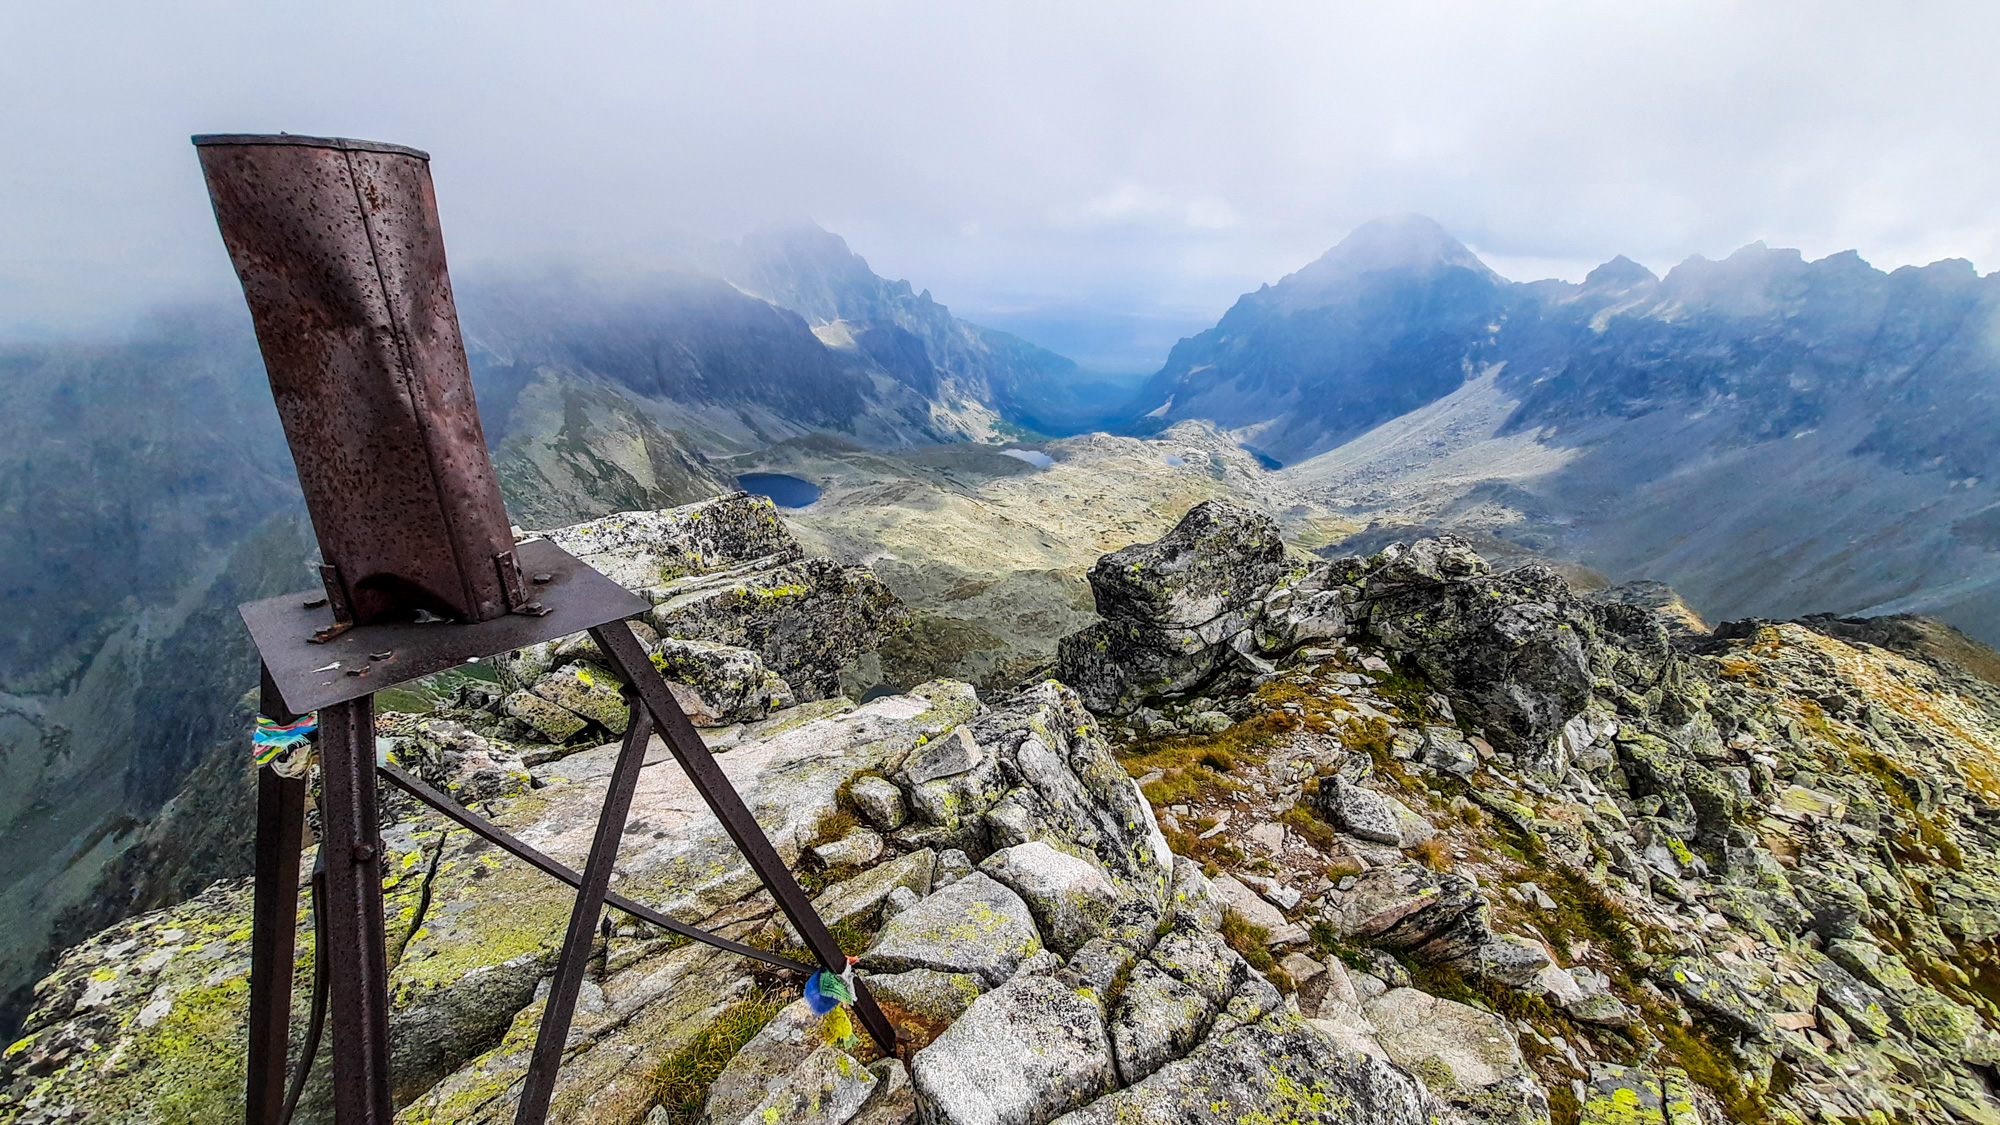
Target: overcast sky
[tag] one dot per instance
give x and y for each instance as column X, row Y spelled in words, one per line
column 1100, row 177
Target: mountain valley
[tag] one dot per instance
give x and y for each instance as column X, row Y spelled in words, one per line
column 1761, row 491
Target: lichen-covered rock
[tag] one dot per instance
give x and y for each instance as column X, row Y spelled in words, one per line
column 1466, row 1056
column 1275, row 1070
column 552, row 721
column 1630, row 1095
column 947, row 757
column 1172, row 608
column 1023, row 1054
column 828, row 1088
column 923, row 1002
column 732, row 684
column 1173, row 997
column 1070, row 898
column 1512, row 645
column 1437, row 915
column 726, row 575
column 1044, row 754
column 588, row 691
column 1359, row 811
column 858, row 848
column 806, row 619
column 859, row 900
column 130, row 1024
column 973, row 926
column 1192, row 892
column 449, row 756
column 1157, row 1019
column 764, row 1066
column 879, row 802
column 1233, row 895
column 1447, row 751
column 642, row 549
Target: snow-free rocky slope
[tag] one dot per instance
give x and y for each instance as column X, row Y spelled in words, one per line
column 148, row 491
column 1382, row 839
column 1772, row 436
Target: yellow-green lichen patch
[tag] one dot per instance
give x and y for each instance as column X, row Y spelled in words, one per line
column 484, row 911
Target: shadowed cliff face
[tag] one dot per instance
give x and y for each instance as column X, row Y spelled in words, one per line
column 145, row 491
column 1381, row 324
column 911, row 336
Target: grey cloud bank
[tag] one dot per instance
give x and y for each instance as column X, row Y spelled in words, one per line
column 1102, row 178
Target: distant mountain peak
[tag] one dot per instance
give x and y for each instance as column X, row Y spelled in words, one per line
column 1409, row 244
column 1619, row 273
column 1413, row 243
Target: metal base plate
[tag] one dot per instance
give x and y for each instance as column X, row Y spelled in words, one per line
column 310, row 676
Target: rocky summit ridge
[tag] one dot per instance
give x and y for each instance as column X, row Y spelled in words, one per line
column 1394, row 838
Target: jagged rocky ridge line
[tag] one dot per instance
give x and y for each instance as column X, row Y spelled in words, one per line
column 1451, row 845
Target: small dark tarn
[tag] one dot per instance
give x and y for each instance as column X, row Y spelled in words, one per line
column 879, row 691
column 1264, row 459
column 1033, row 457
column 1176, row 462
column 784, row 491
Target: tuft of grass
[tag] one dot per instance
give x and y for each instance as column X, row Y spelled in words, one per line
column 681, row 1082
column 1409, row 694
column 1514, row 1003
column 1185, row 784
column 833, row 826
column 1119, row 984
column 1311, row 827
column 1583, row 911
column 1205, row 852
column 1248, row 938
column 1705, row 1054
column 816, row 881
column 1434, row 853
column 1328, row 943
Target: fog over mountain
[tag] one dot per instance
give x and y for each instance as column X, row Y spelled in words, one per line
column 1772, row 436
column 147, row 490
column 1100, row 179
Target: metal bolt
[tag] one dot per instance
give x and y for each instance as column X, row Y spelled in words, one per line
column 364, row 853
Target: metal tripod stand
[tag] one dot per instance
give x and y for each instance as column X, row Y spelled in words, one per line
column 301, row 676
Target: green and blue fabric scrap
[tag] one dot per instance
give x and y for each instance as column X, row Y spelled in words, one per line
column 272, row 739
column 826, row 991
column 828, row 995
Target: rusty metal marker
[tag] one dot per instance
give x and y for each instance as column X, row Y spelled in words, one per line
column 338, row 246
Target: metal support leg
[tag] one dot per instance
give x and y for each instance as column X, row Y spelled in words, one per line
column 356, row 943
column 505, row 841
column 554, row 1032
column 281, row 807
column 629, row 658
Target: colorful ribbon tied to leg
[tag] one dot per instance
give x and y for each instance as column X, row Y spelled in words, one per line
column 272, row 739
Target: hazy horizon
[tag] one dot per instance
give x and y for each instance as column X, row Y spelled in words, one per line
column 1101, row 181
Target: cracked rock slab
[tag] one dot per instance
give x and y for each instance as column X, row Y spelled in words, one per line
column 1466, row 1056
column 1023, row 1054
column 828, row 1088
column 1279, row 1070
column 1158, row 1019
column 973, row 926
column 1069, row 897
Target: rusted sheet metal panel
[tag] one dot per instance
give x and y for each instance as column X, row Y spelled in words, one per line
column 338, row 246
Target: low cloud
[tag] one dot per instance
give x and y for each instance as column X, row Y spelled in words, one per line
column 1145, row 162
